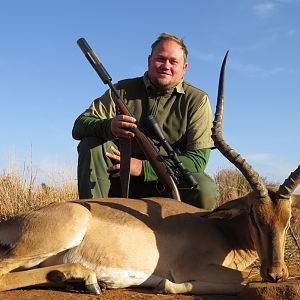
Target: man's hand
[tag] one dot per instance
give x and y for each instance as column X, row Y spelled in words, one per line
column 120, row 126
column 136, row 165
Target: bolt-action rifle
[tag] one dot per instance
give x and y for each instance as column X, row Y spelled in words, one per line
column 164, row 173
column 182, row 174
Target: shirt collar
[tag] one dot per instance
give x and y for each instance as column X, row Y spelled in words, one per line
column 150, row 88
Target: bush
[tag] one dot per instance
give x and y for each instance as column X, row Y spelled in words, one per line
column 232, row 185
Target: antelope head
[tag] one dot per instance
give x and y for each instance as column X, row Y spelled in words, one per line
column 269, row 210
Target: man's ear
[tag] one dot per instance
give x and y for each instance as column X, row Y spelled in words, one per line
column 230, row 209
column 185, row 67
column 149, row 57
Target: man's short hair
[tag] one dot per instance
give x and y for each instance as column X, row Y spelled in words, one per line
column 171, row 37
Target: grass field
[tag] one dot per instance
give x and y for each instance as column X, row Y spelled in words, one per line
column 20, row 190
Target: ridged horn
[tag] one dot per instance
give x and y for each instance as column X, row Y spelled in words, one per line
column 252, row 176
column 289, row 185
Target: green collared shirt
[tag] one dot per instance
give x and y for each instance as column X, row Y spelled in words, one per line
column 183, row 112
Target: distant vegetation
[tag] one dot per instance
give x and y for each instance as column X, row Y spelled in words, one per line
column 20, row 192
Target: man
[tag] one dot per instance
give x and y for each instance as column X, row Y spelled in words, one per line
column 183, row 112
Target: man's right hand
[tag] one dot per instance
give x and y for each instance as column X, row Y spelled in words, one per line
column 120, row 126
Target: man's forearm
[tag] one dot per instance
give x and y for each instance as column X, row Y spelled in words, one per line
column 195, row 161
column 86, row 126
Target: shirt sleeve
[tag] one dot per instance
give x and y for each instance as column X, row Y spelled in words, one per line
column 86, row 126
column 200, row 124
column 194, row 160
column 96, row 120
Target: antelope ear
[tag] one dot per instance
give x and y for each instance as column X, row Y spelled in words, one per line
column 230, row 209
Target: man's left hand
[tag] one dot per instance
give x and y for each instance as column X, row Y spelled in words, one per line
column 136, row 165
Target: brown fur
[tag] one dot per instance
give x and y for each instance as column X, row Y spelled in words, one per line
column 167, row 240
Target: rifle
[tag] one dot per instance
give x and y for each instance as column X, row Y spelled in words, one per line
column 154, row 130
column 164, row 174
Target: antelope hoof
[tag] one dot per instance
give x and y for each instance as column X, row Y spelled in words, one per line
column 93, row 288
column 103, row 285
column 161, row 287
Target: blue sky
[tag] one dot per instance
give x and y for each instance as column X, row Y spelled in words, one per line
column 46, row 82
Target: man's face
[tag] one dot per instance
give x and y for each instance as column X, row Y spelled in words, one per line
column 166, row 65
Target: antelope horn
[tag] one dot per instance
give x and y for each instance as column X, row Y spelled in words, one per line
column 252, row 176
column 289, row 185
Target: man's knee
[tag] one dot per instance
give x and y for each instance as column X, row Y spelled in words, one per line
column 87, row 144
column 205, row 195
column 93, row 178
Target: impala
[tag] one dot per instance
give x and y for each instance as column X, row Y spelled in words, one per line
column 155, row 242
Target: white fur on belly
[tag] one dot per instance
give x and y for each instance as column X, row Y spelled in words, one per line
column 113, row 277
column 120, row 278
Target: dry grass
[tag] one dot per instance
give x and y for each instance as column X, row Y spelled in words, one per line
column 293, row 238
column 231, row 184
column 19, row 192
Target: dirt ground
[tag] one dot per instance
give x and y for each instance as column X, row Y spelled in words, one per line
column 292, row 257
column 125, row 294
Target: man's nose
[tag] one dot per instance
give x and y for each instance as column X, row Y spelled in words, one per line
column 166, row 65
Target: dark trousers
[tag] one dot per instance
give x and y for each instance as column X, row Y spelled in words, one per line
column 95, row 182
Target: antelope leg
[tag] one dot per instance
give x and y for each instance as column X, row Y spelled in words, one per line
column 52, row 274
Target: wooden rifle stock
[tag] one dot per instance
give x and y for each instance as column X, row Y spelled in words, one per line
column 145, row 144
